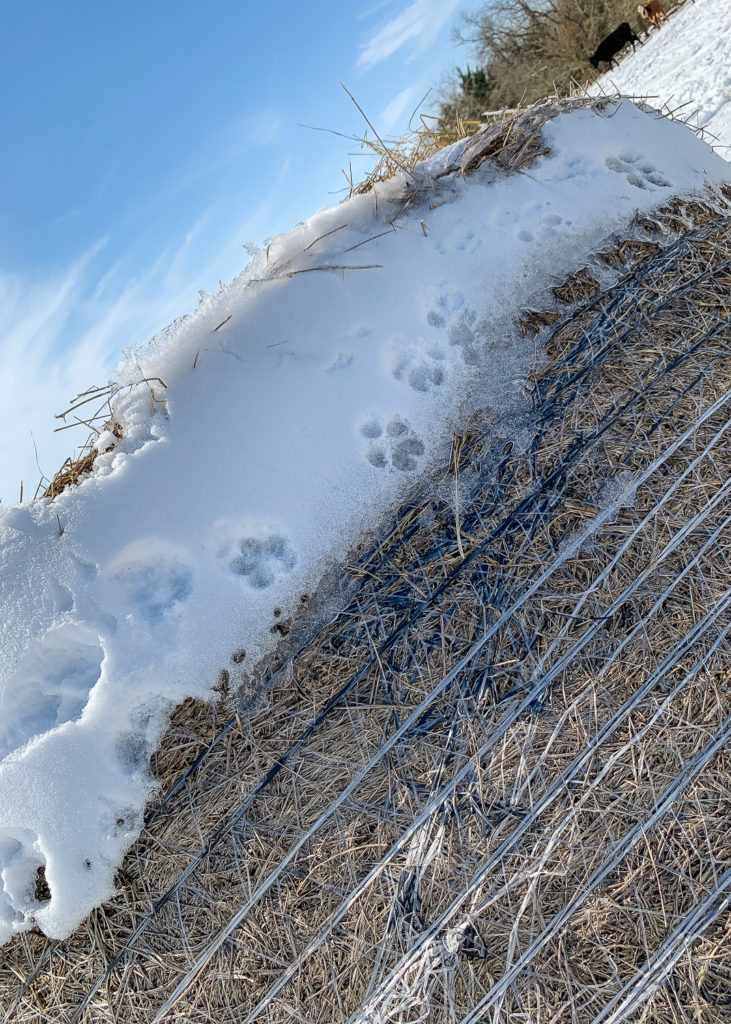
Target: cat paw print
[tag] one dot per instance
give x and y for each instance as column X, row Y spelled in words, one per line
column 255, row 552
column 340, row 360
column 259, row 560
column 464, row 334
column 441, row 303
column 51, row 685
column 637, row 171
column 154, row 578
column 545, row 225
column 419, row 364
column 393, row 444
column 549, row 224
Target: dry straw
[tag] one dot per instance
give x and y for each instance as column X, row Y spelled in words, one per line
column 496, row 785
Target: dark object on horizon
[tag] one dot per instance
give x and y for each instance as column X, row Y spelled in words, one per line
column 614, row 42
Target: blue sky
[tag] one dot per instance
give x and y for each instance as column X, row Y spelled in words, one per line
column 144, row 143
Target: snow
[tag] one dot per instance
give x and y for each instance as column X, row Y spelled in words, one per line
column 684, row 66
column 262, row 436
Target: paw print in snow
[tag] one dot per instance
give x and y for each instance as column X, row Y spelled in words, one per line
column 339, row 361
column 405, row 454
column 51, row 685
column 435, row 319
column 261, row 559
column 441, row 302
column 638, row 172
column 464, row 334
column 398, row 445
column 154, row 577
column 545, row 225
column 371, row 427
column 419, row 364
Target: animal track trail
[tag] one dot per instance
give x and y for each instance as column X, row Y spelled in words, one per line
column 397, row 445
column 339, row 360
column 638, row 172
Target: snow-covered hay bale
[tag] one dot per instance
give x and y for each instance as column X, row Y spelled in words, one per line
column 496, row 784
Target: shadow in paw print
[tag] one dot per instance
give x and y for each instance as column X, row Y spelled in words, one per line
column 371, row 427
column 51, row 685
column 406, row 453
column 420, row 375
column 156, row 588
column 377, row 458
column 641, row 175
column 261, row 561
column 396, row 427
column 463, row 334
column 154, row 578
column 401, row 447
column 434, row 318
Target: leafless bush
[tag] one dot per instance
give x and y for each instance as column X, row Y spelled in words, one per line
column 528, row 49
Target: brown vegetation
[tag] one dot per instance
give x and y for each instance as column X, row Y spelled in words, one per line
column 498, row 782
column 527, row 49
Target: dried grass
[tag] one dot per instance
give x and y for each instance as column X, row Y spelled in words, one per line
column 497, row 785
column 71, row 473
column 101, row 419
column 399, row 154
column 511, row 140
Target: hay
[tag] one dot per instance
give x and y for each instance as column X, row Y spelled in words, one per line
column 497, row 784
column 71, row 473
column 533, row 321
column 577, row 287
column 511, row 140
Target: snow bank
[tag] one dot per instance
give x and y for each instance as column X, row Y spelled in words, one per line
column 685, row 66
column 290, row 411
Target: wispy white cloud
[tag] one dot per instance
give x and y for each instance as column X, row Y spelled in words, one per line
column 261, row 128
column 419, row 23
column 35, row 377
column 63, row 334
column 370, row 11
column 226, row 145
column 391, row 114
column 60, row 338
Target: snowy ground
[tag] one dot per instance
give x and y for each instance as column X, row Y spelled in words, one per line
column 280, row 420
column 684, row 66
